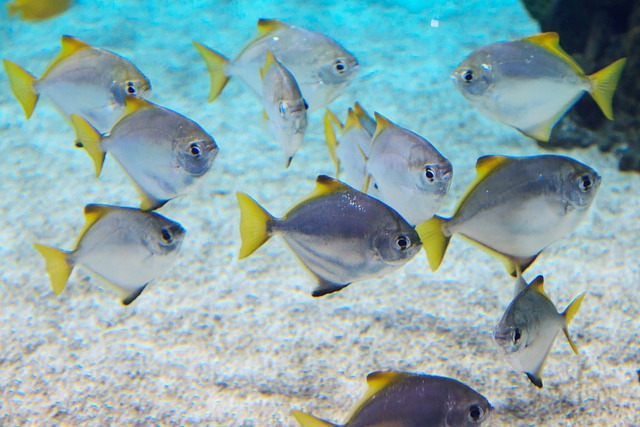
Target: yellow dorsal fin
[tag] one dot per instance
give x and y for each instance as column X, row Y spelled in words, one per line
column 330, row 138
column 377, row 381
column 267, row 63
column 568, row 315
column 69, row 46
column 551, row 42
column 326, row 185
column 484, row 166
column 307, row 420
column 603, row 85
column 135, row 103
column 92, row 214
column 382, row 123
column 359, row 110
column 352, row 121
column 266, row 26
column 538, row 285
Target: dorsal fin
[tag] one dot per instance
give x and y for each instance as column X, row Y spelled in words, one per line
column 377, row 381
column 326, row 185
column 365, row 120
column 69, row 46
column 92, row 214
column 382, row 123
column 352, row 121
column 135, row 103
column 330, row 137
column 267, row 63
column 486, row 164
column 551, row 42
column 266, row 26
column 538, row 285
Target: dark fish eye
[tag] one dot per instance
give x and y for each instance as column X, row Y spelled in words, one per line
column 476, row 413
column 403, row 242
column 340, row 66
column 467, row 75
column 194, row 149
column 131, row 88
column 166, row 236
column 517, row 335
column 429, row 173
column 585, row 183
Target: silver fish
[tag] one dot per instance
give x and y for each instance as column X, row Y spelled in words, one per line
column 284, row 106
column 124, row 247
column 83, row 80
column 340, row 234
column 321, row 66
column 531, row 83
column 164, row 153
column 515, row 208
column 529, row 327
column 406, row 171
column 400, row 399
column 349, row 153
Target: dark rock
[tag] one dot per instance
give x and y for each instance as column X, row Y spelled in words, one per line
column 596, row 33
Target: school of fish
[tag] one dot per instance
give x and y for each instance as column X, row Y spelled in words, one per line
column 368, row 225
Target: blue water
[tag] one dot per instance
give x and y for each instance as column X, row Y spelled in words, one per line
column 216, row 341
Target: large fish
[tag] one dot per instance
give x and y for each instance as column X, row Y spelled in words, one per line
column 164, row 153
column 340, row 234
column 406, row 171
column 515, row 208
column 400, row 399
column 322, row 68
column 531, row 83
column 284, row 106
column 124, row 247
column 529, row 327
column 83, row 80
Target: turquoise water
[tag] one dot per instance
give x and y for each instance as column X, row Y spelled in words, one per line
column 217, row 341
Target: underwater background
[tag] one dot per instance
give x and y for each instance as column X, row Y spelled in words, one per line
column 217, row 341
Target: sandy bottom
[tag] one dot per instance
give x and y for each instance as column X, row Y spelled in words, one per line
column 215, row 341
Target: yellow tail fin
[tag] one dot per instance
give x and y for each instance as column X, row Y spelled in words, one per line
column 90, row 139
column 568, row 315
column 58, row 268
column 215, row 64
column 307, row 420
column 434, row 241
column 604, row 84
column 254, row 221
column 22, row 86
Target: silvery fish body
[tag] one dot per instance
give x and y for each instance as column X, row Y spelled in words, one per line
column 407, row 172
column 530, row 83
column 125, row 247
column 398, row 399
column 340, row 234
column 354, row 146
column 284, row 106
column 529, row 327
column 321, row 66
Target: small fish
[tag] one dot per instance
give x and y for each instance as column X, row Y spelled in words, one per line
column 351, row 151
column 401, row 399
column 284, row 106
column 406, row 171
column 124, row 247
column 515, row 208
column 83, row 80
column 35, row 10
column 322, row 68
column 340, row 234
column 529, row 327
column 164, row 153
column 530, row 83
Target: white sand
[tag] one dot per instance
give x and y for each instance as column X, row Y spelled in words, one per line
column 215, row 341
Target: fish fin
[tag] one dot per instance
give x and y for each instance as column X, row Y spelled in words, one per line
column 551, row 42
column 519, row 285
column 147, row 202
column 58, row 267
column 538, row 285
column 568, row 315
column 215, row 64
column 307, row 420
column 326, row 287
column 288, row 162
column 13, row 8
column 330, row 138
column 382, row 123
column 90, row 139
column 254, row 225
column 266, row 26
column 270, row 60
column 542, row 131
column 128, row 299
column 352, row 121
column 365, row 120
column 22, row 86
column 92, row 213
column 517, row 265
column 484, row 166
column 604, row 83
column 366, row 183
column 326, row 185
column 133, row 104
column 378, row 380
column 69, row 45
column 535, row 379
column 434, row 241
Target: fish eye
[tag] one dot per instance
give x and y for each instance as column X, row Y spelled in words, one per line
column 476, row 413
column 585, row 183
column 340, row 66
column 195, row 150
column 283, row 109
column 166, row 236
column 403, row 242
column 467, row 75
column 429, row 173
column 131, row 88
column 516, row 335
